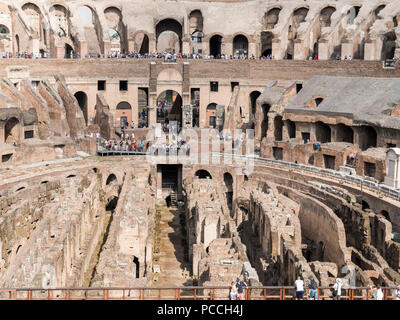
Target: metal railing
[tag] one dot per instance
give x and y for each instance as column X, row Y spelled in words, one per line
column 183, row 293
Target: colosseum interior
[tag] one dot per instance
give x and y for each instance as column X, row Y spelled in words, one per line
column 317, row 81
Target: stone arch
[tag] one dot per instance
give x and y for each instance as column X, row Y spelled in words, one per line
column 364, row 205
column 325, row 16
column 114, row 20
column 300, row 14
column 92, row 25
column 271, row 17
column 352, row 14
column 203, row 174
column 169, row 107
column 215, row 43
column 386, row 215
column 82, row 99
column 124, row 112
column 12, row 131
column 195, row 21
column 314, row 102
column 291, row 129
column 34, row 18
column 166, row 29
column 253, row 101
column 169, row 74
column 389, row 45
column 322, row 132
column 141, row 42
column 266, row 43
column 211, row 115
column 367, row 137
column 344, row 133
column 378, row 9
column 240, row 45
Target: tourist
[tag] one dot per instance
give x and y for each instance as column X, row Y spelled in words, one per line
column 240, row 289
column 233, row 292
column 299, row 284
column 397, row 293
column 378, row 295
column 312, row 285
column 337, row 289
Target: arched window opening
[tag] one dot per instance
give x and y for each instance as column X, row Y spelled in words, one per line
column 299, row 15
column 378, row 10
column 211, row 115
column 124, row 113
column 240, row 45
column 82, row 99
column 169, row 107
column 352, row 14
column 326, row 14
column 266, row 43
column 386, row 215
column 69, row 51
column 203, row 174
column 271, row 18
column 215, row 46
column 11, row 131
column 169, row 36
column 253, row 101
column 364, row 205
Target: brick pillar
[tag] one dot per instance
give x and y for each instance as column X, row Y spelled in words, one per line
column 107, row 48
column 369, row 51
column 151, row 116
column 277, row 53
column 323, row 51
column 83, row 48
column 347, row 49
column 187, row 113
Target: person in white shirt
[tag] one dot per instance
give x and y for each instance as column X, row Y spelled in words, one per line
column 397, row 293
column 378, row 293
column 299, row 284
column 337, row 289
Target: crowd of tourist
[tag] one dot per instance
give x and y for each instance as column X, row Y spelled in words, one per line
column 174, row 145
column 128, row 142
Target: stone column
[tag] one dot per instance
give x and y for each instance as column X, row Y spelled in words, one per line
column 276, row 49
column 107, row 48
column 347, row 49
column 83, row 48
column 298, row 50
column 131, row 45
column 220, row 113
column 392, row 177
column 252, row 49
column 2, row 137
column 369, row 51
column 151, row 116
column 323, row 50
column 186, row 45
column 152, row 44
column 187, row 120
column 60, row 52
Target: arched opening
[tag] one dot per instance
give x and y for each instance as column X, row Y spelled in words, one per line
column 344, row 133
column 124, row 113
column 111, row 178
column 169, row 36
column 253, row 101
column 325, row 17
column 115, row 40
column 278, row 125
column 240, row 45
column 11, row 131
column 34, row 19
column 116, row 30
column 367, row 137
column 215, row 46
column 364, row 205
column 386, row 215
column 352, row 14
column 266, row 43
column 196, row 31
column 137, row 267
column 59, row 18
column 211, row 115
column 264, row 123
column 5, row 40
column 389, row 45
column 322, row 132
column 203, row 174
column 141, row 43
column 69, row 51
column 271, row 18
column 291, row 128
column 299, row 15
column 169, row 107
column 92, row 34
column 378, row 10
column 82, row 99
column 143, row 102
